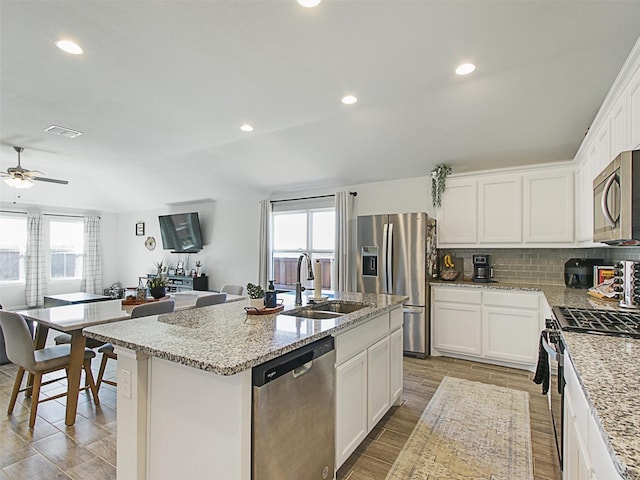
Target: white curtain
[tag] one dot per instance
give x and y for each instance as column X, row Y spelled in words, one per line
column 92, row 262
column 264, row 263
column 344, row 207
column 35, row 264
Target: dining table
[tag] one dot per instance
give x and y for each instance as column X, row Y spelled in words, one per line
column 72, row 319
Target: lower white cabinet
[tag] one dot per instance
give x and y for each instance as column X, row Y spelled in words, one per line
column 501, row 326
column 586, row 456
column 368, row 378
column 351, row 406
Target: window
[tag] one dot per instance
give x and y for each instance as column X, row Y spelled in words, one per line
column 301, row 231
column 66, row 248
column 13, row 246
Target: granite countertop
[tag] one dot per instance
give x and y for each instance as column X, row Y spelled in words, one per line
column 223, row 339
column 608, row 369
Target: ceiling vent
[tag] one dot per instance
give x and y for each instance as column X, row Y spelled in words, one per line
column 62, row 131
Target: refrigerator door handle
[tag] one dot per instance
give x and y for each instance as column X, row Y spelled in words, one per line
column 385, row 230
column 412, row 310
column 389, row 255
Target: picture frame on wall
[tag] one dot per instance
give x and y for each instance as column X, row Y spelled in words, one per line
column 139, row 229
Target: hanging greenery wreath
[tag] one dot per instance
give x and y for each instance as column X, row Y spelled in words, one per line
column 438, row 178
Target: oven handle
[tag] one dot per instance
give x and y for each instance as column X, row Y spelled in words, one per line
column 555, row 356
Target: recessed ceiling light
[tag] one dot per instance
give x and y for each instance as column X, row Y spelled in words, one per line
column 349, row 100
column 309, row 3
column 69, row 47
column 246, row 128
column 465, row 68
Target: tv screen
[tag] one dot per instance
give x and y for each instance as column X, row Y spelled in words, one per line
column 181, row 232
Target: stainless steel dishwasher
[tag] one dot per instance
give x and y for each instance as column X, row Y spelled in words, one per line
column 293, row 418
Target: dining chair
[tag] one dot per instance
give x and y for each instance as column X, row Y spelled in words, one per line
column 21, row 352
column 232, row 289
column 213, row 299
column 144, row 310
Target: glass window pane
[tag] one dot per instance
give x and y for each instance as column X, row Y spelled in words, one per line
column 66, row 243
column 13, row 245
column 290, row 231
column 323, row 230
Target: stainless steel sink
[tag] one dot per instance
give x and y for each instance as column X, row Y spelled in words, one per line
column 313, row 314
column 339, row 306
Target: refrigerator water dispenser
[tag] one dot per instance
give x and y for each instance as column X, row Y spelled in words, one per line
column 370, row 261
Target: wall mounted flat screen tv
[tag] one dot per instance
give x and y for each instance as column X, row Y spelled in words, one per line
column 181, row 232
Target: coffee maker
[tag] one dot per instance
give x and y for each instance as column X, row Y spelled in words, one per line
column 482, row 271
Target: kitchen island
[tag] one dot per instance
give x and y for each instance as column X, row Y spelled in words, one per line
column 184, row 381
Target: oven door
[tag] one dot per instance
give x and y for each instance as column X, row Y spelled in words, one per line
column 554, row 346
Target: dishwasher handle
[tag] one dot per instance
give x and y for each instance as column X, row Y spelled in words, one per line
column 299, row 362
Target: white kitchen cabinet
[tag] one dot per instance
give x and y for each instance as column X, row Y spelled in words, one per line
column 500, row 209
column 548, row 207
column 351, row 406
column 510, row 326
column 368, row 378
column 378, row 367
column 395, row 362
column 487, row 324
column 458, row 215
column 576, row 465
column 457, row 320
column 618, row 124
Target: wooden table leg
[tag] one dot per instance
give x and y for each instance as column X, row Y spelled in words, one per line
column 78, row 343
column 39, row 342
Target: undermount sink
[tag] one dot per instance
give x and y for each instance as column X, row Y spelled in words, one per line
column 340, row 307
column 313, row 314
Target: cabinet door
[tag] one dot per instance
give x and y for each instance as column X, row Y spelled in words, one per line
column 548, row 207
column 576, row 464
column 457, row 328
column 500, row 210
column 351, row 406
column 378, row 381
column 619, row 132
column 510, row 334
column 458, row 217
column 395, row 347
column 634, row 111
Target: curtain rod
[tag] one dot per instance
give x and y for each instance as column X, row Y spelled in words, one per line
column 46, row 214
column 355, row 194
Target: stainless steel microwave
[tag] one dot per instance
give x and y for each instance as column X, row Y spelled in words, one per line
column 616, row 201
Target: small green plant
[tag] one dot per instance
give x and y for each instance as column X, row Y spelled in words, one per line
column 254, row 291
column 438, row 179
column 158, row 281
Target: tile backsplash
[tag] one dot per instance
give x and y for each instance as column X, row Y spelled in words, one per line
column 541, row 266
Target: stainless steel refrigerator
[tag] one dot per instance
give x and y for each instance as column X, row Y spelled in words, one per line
column 394, row 255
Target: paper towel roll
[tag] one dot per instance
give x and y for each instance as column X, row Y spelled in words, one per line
column 317, row 281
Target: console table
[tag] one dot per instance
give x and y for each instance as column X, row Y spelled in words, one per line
column 183, row 283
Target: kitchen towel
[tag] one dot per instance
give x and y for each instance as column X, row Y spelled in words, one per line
column 542, row 369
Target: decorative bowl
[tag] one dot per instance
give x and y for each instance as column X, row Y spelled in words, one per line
column 449, row 275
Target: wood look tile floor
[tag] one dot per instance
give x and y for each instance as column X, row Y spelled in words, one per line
column 87, row 450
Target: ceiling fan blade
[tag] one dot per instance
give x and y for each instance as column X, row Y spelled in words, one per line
column 32, row 173
column 50, row 180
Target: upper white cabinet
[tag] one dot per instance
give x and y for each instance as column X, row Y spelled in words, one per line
column 548, row 207
column 500, row 209
column 633, row 102
column 531, row 206
column 458, row 215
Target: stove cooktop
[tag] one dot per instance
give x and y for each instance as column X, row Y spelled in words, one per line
column 606, row 322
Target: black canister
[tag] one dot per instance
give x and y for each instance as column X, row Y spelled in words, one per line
column 270, row 300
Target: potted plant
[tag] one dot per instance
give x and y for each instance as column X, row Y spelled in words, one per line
column 256, row 295
column 159, row 266
column 157, row 286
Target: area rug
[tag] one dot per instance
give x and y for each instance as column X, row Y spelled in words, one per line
column 469, row 431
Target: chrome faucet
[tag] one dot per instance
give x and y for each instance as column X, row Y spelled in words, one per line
column 299, row 287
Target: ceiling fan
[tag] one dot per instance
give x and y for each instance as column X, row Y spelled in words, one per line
column 19, row 177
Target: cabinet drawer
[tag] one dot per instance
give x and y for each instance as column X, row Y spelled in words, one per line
column 512, row 299
column 361, row 337
column 396, row 319
column 457, row 295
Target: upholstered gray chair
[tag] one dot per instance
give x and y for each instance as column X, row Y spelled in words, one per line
column 213, row 299
column 144, row 310
column 232, row 289
column 21, row 352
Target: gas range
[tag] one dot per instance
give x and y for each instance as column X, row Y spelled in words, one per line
column 605, row 322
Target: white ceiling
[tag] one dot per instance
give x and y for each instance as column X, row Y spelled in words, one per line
column 163, row 87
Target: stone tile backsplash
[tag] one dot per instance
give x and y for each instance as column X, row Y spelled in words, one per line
column 538, row 266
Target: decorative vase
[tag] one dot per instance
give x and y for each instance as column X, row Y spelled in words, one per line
column 256, row 302
column 158, row 292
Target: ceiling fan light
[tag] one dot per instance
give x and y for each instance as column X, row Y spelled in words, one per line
column 69, row 47
column 21, row 183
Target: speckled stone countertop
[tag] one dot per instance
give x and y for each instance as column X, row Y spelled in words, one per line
column 608, row 369
column 225, row 340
